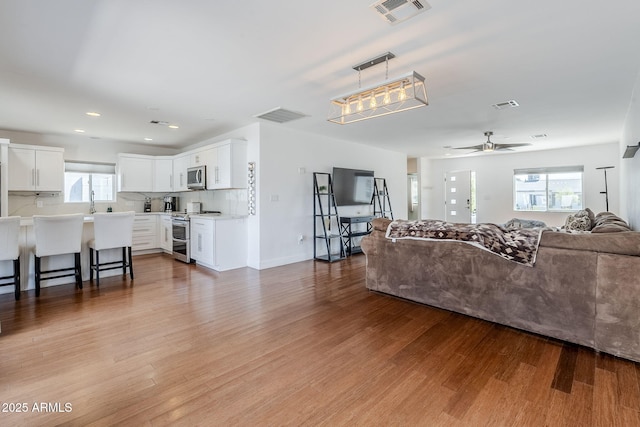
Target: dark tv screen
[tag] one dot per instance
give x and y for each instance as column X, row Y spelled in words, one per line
column 352, row 186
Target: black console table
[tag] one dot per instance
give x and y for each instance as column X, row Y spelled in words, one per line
column 349, row 233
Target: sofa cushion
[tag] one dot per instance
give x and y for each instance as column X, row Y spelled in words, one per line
column 607, row 222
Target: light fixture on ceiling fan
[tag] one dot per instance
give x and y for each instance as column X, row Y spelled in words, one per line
column 490, row 146
column 392, row 96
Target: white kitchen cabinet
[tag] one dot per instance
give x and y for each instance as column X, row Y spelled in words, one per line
column 230, row 244
column 180, row 166
column 228, row 165
column 135, row 173
column 219, row 243
column 35, row 168
column 166, row 233
column 163, row 174
column 144, row 232
column 202, row 157
column 202, row 233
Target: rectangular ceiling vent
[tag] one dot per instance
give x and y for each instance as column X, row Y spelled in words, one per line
column 396, row 11
column 280, row 115
column 506, row 104
column 539, row 136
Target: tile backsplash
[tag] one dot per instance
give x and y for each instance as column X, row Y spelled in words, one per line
column 230, row 202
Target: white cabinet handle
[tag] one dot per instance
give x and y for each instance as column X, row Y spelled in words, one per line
column 37, row 177
column 199, row 242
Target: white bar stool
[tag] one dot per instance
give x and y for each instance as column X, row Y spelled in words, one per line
column 111, row 231
column 58, row 235
column 10, row 250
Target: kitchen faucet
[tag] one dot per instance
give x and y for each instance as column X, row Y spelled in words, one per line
column 92, row 205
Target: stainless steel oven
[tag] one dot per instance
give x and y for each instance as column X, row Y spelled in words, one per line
column 180, row 226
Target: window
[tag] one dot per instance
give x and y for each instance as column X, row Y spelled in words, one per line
column 548, row 189
column 83, row 178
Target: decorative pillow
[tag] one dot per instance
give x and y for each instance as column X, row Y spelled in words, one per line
column 576, row 222
column 591, row 216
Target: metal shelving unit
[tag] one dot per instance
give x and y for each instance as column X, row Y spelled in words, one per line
column 326, row 223
column 380, row 200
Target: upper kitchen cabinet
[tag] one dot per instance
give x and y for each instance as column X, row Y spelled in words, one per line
column 135, row 172
column 180, row 166
column 202, row 157
column 163, row 174
column 228, row 165
column 36, row 168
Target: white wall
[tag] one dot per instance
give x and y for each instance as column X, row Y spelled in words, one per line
column 283, row 152
column 630, row 168
column 494, row 175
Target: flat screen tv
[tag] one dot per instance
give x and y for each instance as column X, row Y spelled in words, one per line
column 352, row 186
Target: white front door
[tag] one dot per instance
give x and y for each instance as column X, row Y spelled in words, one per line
column 413, row 197
column 458, row 197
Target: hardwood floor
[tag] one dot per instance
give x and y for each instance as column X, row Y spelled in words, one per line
column 304, row 344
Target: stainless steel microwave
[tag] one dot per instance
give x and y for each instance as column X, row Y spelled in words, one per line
column 197, row 178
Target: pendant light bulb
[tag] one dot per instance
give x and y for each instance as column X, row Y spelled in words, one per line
column 387, row 97
column 346, row 107
column 373, row 103
column 403, row 94
column 359, row 106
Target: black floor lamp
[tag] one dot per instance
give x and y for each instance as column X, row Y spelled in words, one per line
column 606, row 188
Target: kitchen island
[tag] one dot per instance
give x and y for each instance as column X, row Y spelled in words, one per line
column 27, row 245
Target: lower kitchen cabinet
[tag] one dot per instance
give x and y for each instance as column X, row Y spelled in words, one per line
column 202, row 230
column 166, row 233
column 219, row 243
column 144, row 233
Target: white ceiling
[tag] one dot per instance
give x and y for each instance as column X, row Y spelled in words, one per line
column 211, row 66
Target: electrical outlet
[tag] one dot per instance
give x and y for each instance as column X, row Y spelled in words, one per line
column 39, row 203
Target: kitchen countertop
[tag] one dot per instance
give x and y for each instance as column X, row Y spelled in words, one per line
column 26, row 221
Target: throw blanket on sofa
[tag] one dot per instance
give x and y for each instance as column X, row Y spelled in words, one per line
column 520, row 245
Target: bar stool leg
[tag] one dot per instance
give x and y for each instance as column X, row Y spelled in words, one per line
column 78, row 267
column 37, row 268
column 91, row 264
column 130, row 263
column 16, row 277
column 97, row 268
column 124, row 261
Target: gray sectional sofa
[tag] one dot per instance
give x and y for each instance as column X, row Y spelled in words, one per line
column 583, row 288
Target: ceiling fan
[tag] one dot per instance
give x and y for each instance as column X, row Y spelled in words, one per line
column 491, row 146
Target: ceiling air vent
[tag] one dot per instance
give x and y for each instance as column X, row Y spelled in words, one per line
column 506, row 104
column 395, row 11
column 280, row 115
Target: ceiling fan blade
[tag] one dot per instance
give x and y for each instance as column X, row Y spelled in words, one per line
column 503, row 146
column 473, row 147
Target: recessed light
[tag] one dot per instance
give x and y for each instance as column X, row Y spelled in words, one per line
column 93, row 114
column 148, row 139
column 79, row 130
column 173, row 127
